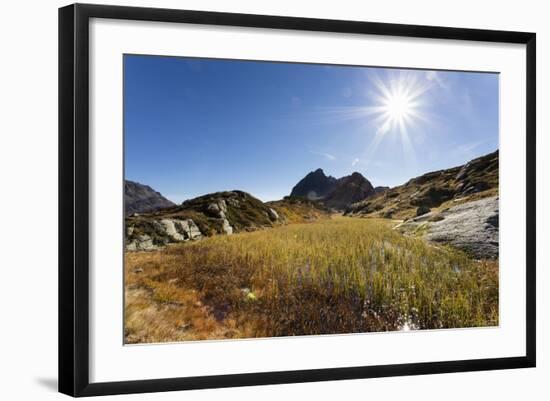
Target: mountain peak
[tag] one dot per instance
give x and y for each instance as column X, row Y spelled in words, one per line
column 350, row 189
column 315, row 185
column 139, row 198
column 336, row 193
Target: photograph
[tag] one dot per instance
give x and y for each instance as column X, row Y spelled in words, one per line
column 273, row 199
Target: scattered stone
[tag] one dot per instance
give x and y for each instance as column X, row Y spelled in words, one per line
column 142, row 243
column 226, row 227
column 422, row 210
column 217, row 209
column 138, row 270
column 272, row 214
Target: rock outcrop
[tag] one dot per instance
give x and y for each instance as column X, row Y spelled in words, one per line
column 471, row 227
column 220, row 213
column 152, row 234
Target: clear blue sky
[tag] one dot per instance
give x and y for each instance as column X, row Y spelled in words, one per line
column 195, row 126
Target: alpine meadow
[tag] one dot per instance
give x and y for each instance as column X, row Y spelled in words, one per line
column 272, row 199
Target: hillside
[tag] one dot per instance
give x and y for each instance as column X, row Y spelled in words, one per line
column 217, row 213
column 139, row 198
column 476, row 179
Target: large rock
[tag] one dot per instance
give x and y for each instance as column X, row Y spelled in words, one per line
column 273, row 215
column 164, row 231
column 181, row 230
column 226, row 227
column 217, row 209
column 471, row 227
column 141, row 243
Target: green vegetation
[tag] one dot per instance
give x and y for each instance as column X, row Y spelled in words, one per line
column 339, row 275
column 436, row 190
column 242, row 211
column 295, row 209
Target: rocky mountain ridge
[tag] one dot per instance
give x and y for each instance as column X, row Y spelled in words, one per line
column 350, row 189
column 315, row 185
column 139, row 198
column 335, row 193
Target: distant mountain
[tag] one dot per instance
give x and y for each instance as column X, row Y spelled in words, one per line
column 139, row 198
column 315, row 185
column 474, row 180
column 334, row 193
column 350, row 189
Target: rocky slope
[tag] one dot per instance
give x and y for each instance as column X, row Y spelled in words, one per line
column 139, row 198
column 475, row 180
column 218, row 213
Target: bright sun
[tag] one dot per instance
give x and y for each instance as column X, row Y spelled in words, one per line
column 398, row 102
column 398, row 106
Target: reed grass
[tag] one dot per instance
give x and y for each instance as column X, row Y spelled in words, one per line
column 339, row 275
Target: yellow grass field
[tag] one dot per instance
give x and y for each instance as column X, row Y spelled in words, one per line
column 337, row 275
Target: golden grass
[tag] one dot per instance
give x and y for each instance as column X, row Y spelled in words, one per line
column 340, row 275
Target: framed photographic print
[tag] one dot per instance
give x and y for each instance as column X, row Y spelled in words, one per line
column 249, row 199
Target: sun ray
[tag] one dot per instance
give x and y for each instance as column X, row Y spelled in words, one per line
column 397, row 105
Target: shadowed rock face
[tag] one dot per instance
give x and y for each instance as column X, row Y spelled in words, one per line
column 334, row 193
column 471, row 227
column 139, row 198
column 350, row 189
column 315, row 185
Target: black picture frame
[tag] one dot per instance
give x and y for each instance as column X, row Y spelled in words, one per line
column 74, row 200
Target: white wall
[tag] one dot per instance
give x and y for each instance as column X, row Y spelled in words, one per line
column 28, row 200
